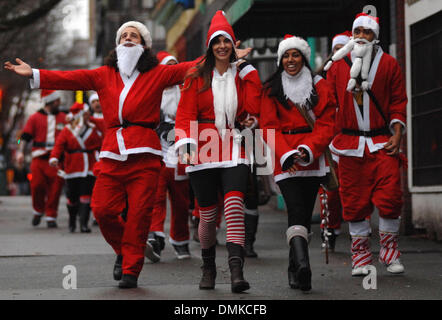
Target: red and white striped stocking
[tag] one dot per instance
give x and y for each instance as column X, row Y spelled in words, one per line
column 389, row 243
column 207, row 226
column 360, row 251
column 234, row 215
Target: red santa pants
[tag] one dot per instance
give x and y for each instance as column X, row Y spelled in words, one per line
column 46, row 187
column 373, row 180
column 134, row 181
column 179, row 200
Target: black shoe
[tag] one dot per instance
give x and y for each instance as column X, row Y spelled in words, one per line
column 128, row 281
column 182, row 251
column 161, row 243
column 84, row 211
column 152, row 251
column 36, row 220
column 52, row 224
column 118, row 268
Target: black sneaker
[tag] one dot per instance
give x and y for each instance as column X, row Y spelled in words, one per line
column 152, row 251
column 52, row 224
column 182, row 251
column 36, row 220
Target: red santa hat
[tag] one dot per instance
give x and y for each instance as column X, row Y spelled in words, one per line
column 367, row 22
column 341, row 38
column 49, row 96
column 292, row 42
column 164, row 57
column 142, row 29
column 76, row 111
column 220, row 26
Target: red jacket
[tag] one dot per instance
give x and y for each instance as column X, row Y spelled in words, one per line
column 80, row 151
column 43, row 129
column 274, row 116
column 388, row 87
column 211, row 151
column 135, row 100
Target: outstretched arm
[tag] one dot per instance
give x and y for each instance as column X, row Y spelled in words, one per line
column 21, row 68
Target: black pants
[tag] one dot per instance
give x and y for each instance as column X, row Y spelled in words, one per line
column 300, row 195
column 251, row 199
column 208, row 182
column 77, row 187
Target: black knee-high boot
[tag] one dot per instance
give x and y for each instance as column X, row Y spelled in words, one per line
column 236, row 263
column 84, row 211
column 250, row 225
column 208, row 268
column 299, row 260
column 73, row 211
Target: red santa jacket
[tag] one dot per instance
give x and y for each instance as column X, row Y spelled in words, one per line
column 387, row 85
column 211, row 150
column 131, row 106
column 43, row 129
column 280, row 120
column 79, row 150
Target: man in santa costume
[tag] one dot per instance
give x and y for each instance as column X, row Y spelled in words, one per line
column 42, row 128
column 173, row 181
column 77, row 147
column 130, row 87
column 371, row 121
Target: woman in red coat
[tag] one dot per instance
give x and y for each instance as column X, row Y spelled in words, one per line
column 217, row 96
column 77, row 147
column 300, row 165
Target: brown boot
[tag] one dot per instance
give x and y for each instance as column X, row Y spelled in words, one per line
column 236, row 263
column 209, row 268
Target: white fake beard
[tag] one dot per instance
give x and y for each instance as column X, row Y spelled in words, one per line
column 298, row 88
column 127, row 57
column 78, row 124
column 225, row 99
column 169, row 101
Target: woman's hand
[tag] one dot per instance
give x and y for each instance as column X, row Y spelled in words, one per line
column 241, row 53
column 188, row 158
column 53, row 162
column 22, row 68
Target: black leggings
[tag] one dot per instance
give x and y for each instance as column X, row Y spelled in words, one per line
column 77, row 187
column 300, row 195
column 208, row 182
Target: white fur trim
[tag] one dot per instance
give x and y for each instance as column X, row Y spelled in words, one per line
column 93, row 97
column 393, row 121
column 296, row 230
column 286, row 155
column 389, row 225
column 367, row 23
column 142, row 29
column 167, row 59
column 249, row 68
column 341, row 39
column 35, row 81
column 294, row 43
column 51, row 97
column 360, row 228
column 184, row 141
column 304, row 163
column 220, row 33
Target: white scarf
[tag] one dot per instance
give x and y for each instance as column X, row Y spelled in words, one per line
column 298, row 88
column 225, row 99
column 169, row 101
column 127, row 58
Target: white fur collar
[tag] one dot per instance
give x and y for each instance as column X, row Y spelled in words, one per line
column 298, row 88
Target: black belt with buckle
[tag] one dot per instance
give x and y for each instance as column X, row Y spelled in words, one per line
column 126, row 124
column 368, row 134
column 296, row 131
